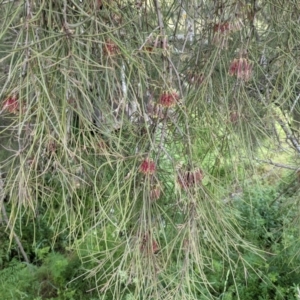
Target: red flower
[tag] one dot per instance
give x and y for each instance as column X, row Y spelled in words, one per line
column 222, row 28
column 149, row 245
column 110, row 48
column 241, row 68
column 154, row 110
column 228, row 27
column 155, row 247
column 11, row 104
column 155, row 192
column 147, row 167
column 190, row 178
column 168, row 99
column 234, row 117
column 195, row 78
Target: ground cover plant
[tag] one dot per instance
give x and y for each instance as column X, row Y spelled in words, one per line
column 142, row 149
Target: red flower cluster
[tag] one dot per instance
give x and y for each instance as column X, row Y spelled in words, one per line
column 155, row 192
column 168, row 99
column 222, row 27
column 11, row 104
column 241, row 68
column 190, row 178
column 147, row 167
column 154, row 110
column 221, row 34
column 110, row 48
column 195, row 78
column 149, row 245
column 234, row 117
column 228, row 27
column 223, row 30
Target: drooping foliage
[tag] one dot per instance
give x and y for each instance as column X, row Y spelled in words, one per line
column 127, row 126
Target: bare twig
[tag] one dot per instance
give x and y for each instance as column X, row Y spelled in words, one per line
column 160, row 18
column 148, row 38
column 289, row 134
column 279, row 165
column 7, row 1
column 27, row 55
column 5, row 218
column 295, row 102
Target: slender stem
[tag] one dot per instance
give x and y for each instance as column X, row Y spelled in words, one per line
column 289, row 134
column 28, row 17
column 160, row 18
column 279, row 165
column 2, row 208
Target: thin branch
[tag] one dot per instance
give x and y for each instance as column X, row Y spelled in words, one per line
column 279, row 165
column 295, row 102
column 7, row 1
column 160, row 18
column 27, row 55
column 5, row 218
column 148, row 38
column 289, row 134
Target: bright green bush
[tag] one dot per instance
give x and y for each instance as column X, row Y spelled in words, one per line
column 267, row 218
column 50, row 279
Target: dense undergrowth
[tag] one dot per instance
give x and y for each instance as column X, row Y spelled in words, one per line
column 267, row 217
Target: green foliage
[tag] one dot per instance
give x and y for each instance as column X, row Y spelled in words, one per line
column 52, row 279
column 16, row 280
column 266, row 218
column 128, row 128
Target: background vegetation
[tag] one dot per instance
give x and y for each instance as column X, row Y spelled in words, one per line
column 149, row 149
